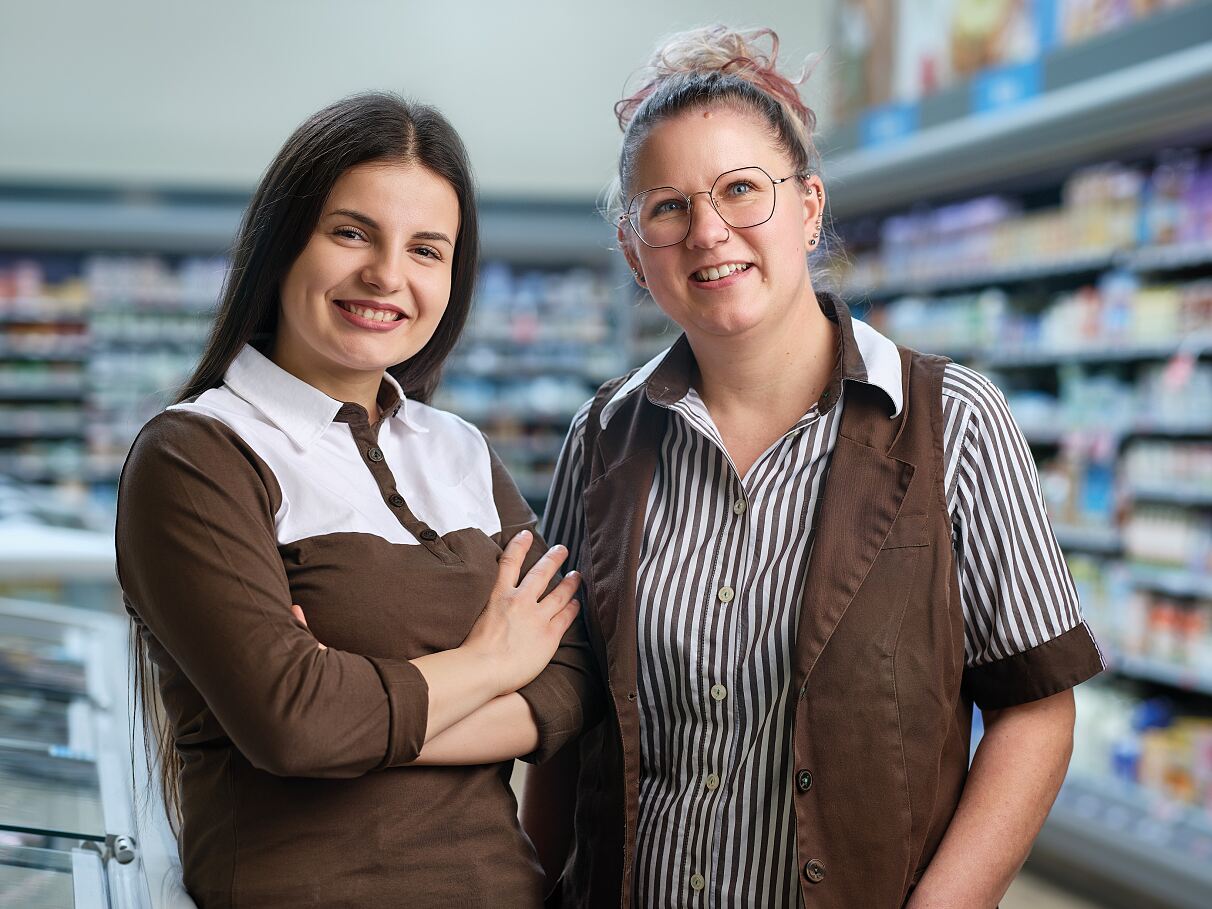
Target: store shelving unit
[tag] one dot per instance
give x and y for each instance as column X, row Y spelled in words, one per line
column 1124, row 97
column 129, row 293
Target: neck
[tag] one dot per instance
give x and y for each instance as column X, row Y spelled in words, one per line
column 779, row 371
column 348, row 386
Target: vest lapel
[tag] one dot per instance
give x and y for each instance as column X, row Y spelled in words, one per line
column 615, row 504
column 862, row 497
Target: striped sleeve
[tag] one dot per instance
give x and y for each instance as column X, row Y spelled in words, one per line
column 564, row 517
column 1025, row 638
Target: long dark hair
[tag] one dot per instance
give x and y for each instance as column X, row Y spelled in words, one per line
column 276, row 227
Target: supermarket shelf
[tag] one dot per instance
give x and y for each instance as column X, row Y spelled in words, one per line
column 1180, row 431
column 1141, row 85
column 27, row 356
column 1144, row 848
column 44, row 317
column 42, row 394
column 20, row 435
column 1172, row 581
column 1150, row 259
column 1187, row 678
column 1174, row 495
column 1110, row 353
column 976, row 279
column 1102, row 540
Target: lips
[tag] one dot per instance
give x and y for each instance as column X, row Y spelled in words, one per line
column 372, row 313
column 717, row 272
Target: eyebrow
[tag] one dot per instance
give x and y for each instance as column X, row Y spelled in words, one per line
column 433, row 235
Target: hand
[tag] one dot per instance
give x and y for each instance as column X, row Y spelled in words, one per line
column 520, row 629
column 297, row 611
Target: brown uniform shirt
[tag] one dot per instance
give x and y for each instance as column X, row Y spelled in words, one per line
column 265, row 492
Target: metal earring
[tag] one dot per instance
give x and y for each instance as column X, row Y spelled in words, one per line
column 639, row 277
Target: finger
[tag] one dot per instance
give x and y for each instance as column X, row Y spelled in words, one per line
column 538, row 579
column 561, row 593
column 566, row 616
column 509, row 567
column 297, row 611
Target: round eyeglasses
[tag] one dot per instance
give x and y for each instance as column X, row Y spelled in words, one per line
column 743, row 197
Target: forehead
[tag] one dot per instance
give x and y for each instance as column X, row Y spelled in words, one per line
column 692, row 148
column 402, row 195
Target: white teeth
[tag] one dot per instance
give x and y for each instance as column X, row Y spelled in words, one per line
column 374, row 315
column 715, row 273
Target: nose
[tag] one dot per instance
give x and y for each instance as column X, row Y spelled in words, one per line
column 707, row 228
column 384, row 272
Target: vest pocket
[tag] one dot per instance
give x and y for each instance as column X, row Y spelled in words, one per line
column 908, row 530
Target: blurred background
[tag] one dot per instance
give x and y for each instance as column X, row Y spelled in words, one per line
column 1023, row 185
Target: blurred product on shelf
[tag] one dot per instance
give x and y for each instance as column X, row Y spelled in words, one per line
column 1169, row 536
column 1171, row 470
column 1105, row 211
column 907, row 50
column 1145, row 742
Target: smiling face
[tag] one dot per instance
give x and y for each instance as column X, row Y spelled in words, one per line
column 724, row 281
column 373, row 281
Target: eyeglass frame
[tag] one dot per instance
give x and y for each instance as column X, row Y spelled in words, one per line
column 626, row 216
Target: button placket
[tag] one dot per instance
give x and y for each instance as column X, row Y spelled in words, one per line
column 376, row 462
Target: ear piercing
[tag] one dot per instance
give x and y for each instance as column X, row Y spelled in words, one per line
column 639, row 277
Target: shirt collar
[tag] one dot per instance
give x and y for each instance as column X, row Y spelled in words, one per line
column 300, row 410
column 866, row 356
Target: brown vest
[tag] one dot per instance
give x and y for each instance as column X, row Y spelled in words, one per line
column 882, row 721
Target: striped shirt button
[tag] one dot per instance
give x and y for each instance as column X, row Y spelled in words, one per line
column 712, row 782
column 719, row 692
column 726, row 594
column 738, row 507
column 697, row 882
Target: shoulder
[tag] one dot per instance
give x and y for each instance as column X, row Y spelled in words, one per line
column 973, row 393
column 187, row 443
column 445, row 429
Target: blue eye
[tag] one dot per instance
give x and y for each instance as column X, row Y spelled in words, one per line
column 740, row 188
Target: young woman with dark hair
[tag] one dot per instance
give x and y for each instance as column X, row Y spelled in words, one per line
column 301, row 479
column 808, row 552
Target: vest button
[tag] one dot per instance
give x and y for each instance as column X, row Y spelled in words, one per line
column 803, row 781
column 814, row 871
column 396, row 500
column 429, row 535
column 375, row 454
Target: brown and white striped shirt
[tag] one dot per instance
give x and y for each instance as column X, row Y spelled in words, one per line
column 721, row 572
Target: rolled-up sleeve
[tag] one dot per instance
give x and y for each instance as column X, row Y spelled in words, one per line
column 566, row 697
column 201, row 573
column 1025, row 637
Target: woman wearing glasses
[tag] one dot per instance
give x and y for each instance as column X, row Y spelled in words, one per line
column 807, row 553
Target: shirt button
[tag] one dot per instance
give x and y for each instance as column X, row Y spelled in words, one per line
column 712, row 782
column 803, row 781
column 429, row 535
column 396, row 500
column 719, row 692
column 726, row 594
column 814, row 871
column 738, row 507
column 697, row 882
column 375, row 454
